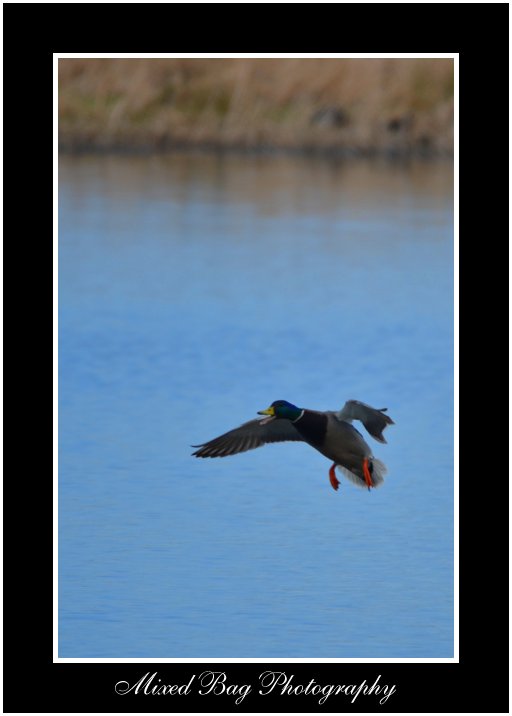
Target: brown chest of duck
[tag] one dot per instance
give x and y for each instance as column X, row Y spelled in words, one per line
column 310, row 424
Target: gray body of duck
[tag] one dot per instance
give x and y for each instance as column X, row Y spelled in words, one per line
column 330, row 432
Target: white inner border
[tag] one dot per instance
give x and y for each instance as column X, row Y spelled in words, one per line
column 56, row 57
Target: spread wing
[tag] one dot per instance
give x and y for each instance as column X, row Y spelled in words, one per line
column 373, row 419
column 248, row 436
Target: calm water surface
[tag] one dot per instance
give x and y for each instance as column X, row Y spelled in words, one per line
column 194, row 291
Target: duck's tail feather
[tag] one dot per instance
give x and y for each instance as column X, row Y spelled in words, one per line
column 378, row 471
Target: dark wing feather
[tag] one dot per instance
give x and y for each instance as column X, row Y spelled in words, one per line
column 248, row 436
column 373, row 419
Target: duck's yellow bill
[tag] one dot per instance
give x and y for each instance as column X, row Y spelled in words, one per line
column 267, row 411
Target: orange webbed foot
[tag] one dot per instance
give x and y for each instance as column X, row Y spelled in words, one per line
column 366, row 473
column 332, row 477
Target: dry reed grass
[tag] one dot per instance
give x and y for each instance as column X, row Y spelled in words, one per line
column 354, row 105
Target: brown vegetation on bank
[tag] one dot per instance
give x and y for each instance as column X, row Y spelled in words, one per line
column 353, row 106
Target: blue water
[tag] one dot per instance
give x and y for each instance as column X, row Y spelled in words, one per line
column 193, row 291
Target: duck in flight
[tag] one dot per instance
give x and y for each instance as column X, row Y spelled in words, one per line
column 330, row 432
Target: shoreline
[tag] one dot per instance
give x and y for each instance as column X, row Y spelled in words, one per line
column 79, row 147
column 339, row 108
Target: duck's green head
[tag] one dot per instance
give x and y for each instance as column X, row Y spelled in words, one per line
column 281, row 409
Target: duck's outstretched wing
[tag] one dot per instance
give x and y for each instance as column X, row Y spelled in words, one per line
column 373, row 419
column 248, row 436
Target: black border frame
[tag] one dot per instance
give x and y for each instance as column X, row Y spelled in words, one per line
column 479, row 33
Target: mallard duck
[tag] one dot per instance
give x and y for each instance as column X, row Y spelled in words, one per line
column 330, row 432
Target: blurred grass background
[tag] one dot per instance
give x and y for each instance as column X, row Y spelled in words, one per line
column 347, row 106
